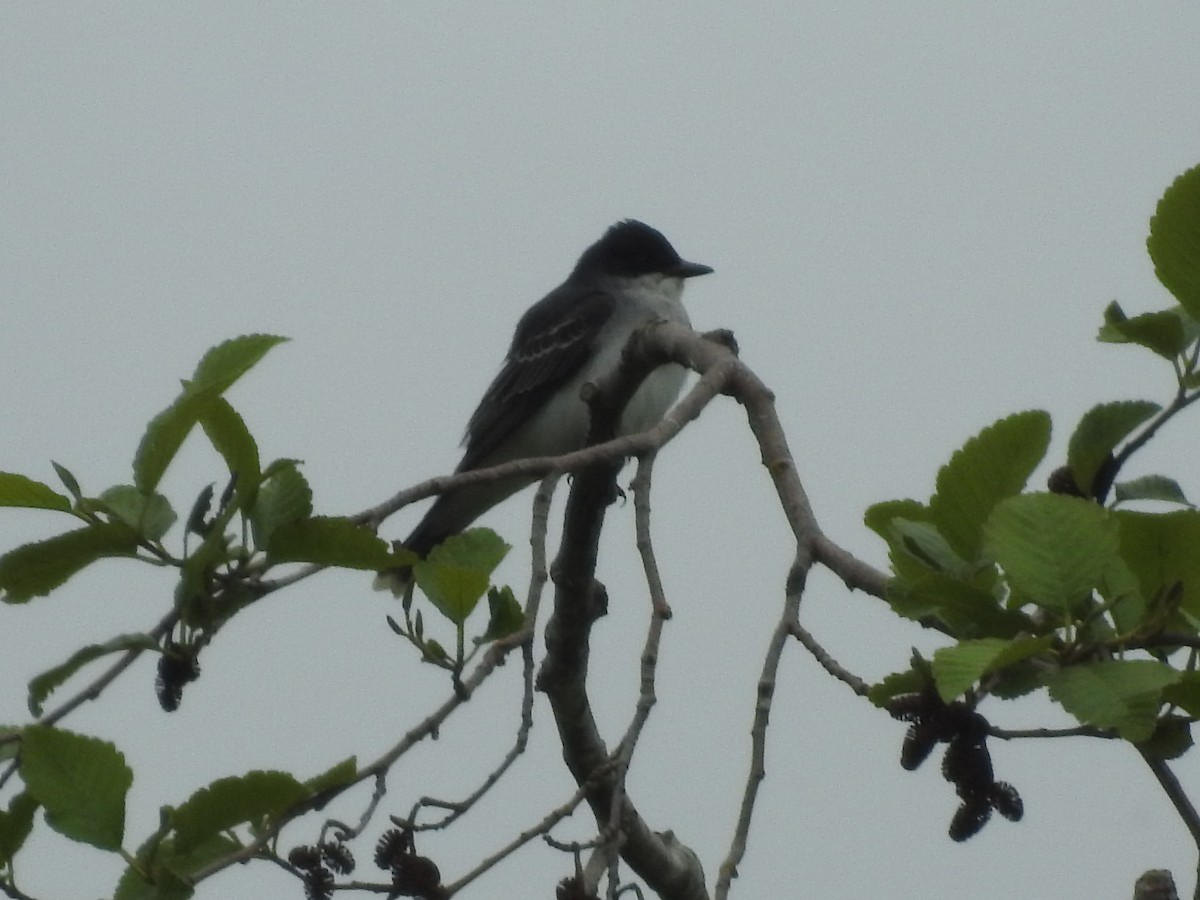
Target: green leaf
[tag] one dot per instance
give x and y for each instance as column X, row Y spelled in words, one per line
column 925, row 543
column 330, row 541
column 965, row 609
column 167, row 885
column 15, row 824
column 284, row 497
column 506, row 616
column 435, row 652
column 81, row 781
column 42, row 686
column 68, row 480
column 879, row 519
column 228, row 433
column 1053, row 549
column 150, row 515
column 879, row 516
column 17, row 490
column 895, row 684
column 225, row 363
column 164, row 436
column 218, row 370
column 1171, row 739
column 479, row 548
column 34, row 570
column 455, row 590
column 232, row 801
column 1122, row 592
column 1098, row 433
column 8, row 747
column 1120, row 694
column 1185, row 693
column 1161, row 332
column 1150, row 487
column 1174, row 241
column 991, row 466
column 336, row 776
column 162, row 868
column 957, row 668
column 1160, row 549
column 457, row 572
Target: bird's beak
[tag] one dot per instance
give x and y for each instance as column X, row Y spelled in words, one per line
column 687, row 269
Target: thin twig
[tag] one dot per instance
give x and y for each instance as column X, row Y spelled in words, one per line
column 828, row 663
column 1174, row 791
column 758, row 731
column 547, row 822
column 93, row 690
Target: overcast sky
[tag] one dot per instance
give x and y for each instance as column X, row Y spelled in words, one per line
column 916, row 213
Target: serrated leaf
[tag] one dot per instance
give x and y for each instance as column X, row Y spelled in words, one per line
column 81, row 782
column 17, row 490
column 336, row 776
column 68, row 480
column 1185, row 693
column 162, row 869
column 1120, row 694
column 197, row 520
column 457, row 572
column 1171, row 739
column 283, row 497
column 895, row 684
column 966, row 610
column 34, row 570
column 1150, row 487
column 506, row 616
column 1121, row 590
column 15, row 824
column 233, row 801
column 1160, row 550
column 227, row 432
column 454, row 589
column 1174, row 241
column 925, row 543
column 169, row 868
column 225, row 363
column 879, row 518
column 1053, row 549
column 956, row 669
column 1098, row 433
column 330, row 541
column 164, row 435
column 45, row 683
column 477, row 548
column 166, row 886
column 991, row 466
column 150, row 515
column 1162, row 332
column 220, row 367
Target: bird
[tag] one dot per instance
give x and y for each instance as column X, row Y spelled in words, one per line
column 573, row 336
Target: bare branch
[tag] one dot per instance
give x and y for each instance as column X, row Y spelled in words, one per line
column 551, row 819
column 669, row 868
column 828, row 663
column 1174, row 790
column 762, row 714
column 93, row 690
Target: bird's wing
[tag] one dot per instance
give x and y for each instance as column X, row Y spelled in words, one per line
column 552, row 342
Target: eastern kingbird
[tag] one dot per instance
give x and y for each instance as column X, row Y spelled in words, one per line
column 572, row 336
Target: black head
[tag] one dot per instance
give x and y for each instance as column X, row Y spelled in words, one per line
column 630, row 249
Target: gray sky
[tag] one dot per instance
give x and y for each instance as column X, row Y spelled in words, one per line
column 916, row 213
